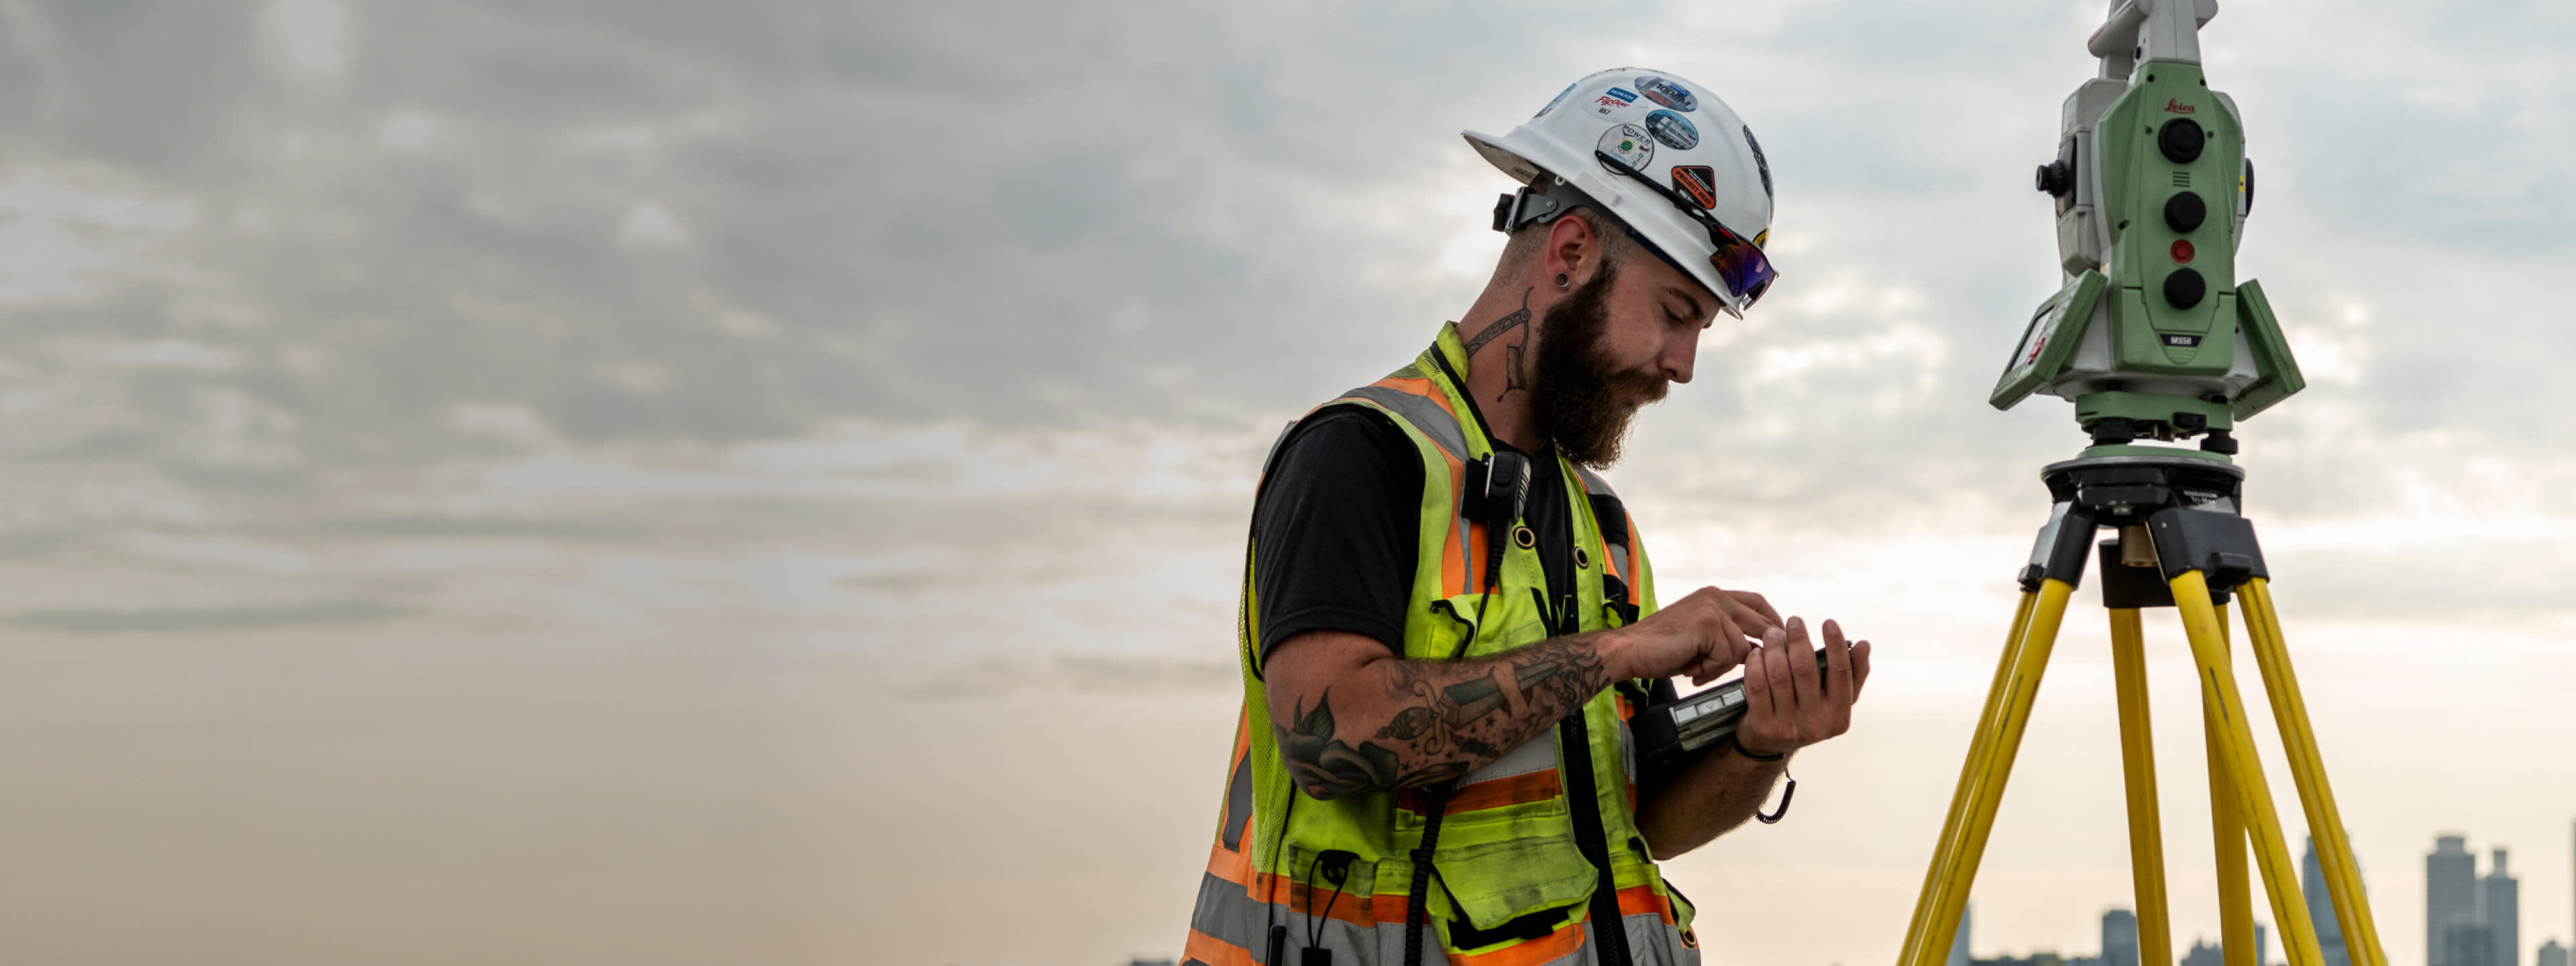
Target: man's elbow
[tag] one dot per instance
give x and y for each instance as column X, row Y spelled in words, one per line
column 1322, row 789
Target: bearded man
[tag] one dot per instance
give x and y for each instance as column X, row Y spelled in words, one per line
column 1449, row 618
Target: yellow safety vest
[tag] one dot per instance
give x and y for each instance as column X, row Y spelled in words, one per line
column 1513, row 885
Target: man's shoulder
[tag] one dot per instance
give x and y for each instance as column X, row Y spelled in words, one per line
column 1337, row 428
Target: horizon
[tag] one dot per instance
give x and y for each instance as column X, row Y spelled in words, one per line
column 765, row 482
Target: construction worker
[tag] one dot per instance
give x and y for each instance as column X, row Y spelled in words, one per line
column 1448, row 617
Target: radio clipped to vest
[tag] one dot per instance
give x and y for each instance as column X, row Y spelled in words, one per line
column 1496, row 489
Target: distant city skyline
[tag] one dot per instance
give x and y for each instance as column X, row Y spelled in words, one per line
column 2471, row 919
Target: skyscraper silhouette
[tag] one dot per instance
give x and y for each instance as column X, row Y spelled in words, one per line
column 2500, row 904
column 2120, row 938
column 2468, row 942
column 1959, row 946
column 2321, row 914
column 2450, row 899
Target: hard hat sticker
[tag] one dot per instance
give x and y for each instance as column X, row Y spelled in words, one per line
column 1759, row 163
column 1697, row 183
column 1551, row 105
column 1630, row 144
column 1668, row 94
column 1674, row 130
column 1612, row 101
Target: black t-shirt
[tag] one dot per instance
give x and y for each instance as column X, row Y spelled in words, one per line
column 1336, row 527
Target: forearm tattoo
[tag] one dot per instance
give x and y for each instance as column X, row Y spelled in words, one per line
column 1444, row 720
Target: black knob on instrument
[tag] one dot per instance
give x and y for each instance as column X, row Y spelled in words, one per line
column 2181, row 140
column 2055, row 179
column 2185, row 211
column 2184, row 288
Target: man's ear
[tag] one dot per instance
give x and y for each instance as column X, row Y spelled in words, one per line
column 1573, row 250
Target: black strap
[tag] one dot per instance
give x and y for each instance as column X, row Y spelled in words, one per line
column 1416, row 912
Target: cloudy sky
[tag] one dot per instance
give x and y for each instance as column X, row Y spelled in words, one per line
column 683, row 482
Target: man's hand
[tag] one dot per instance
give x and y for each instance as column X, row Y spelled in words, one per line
column 1790, row 705
column 1703, row 635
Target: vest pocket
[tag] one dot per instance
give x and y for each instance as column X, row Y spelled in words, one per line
column 1509, row 621
column 1491, row 883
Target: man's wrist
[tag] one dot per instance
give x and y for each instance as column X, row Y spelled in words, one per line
column 1754, row 752
column 1612, row 646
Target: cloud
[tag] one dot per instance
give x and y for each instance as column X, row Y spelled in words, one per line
column 201, row 620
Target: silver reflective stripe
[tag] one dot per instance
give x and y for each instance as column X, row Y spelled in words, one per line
column 1227, row 914
column 1596, row 486
column 1424, row 414
column 1653, row 943
column 1535, row 755
column 1628, row 751
column 1427, row 416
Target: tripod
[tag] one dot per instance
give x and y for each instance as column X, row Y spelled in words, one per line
column 2183, row 543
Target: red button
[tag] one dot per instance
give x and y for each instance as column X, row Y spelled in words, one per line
column 2182, row 252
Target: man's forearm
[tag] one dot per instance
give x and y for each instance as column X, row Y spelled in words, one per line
column 1711, row 796
column 1413, row 723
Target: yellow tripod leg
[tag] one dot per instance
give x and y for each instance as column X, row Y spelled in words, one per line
column 1972, row 810
column 2227, row 828
column 1968, row 772
column 2307, row 767
column 2226, row 709
column 2138, row 769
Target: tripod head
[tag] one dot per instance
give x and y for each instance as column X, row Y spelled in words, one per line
column 2152, row 334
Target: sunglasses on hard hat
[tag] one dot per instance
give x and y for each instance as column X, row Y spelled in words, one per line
column 1739, row 263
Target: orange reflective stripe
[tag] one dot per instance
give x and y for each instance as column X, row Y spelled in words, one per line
column 1420, row 387
column 1215, row 952
column 1462, row 541
column 1565, row 941
column 1537, row 786
column 1642, row 900
column 1234, row 867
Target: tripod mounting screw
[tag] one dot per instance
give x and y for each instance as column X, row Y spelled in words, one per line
column 2112, row 431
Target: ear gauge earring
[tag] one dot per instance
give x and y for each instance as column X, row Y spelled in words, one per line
column 1562, row 279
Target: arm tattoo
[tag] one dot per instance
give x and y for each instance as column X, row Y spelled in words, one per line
column 1446, row 719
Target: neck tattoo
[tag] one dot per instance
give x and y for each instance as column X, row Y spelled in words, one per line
column 1516, row 374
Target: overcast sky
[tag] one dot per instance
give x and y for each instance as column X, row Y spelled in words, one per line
column 687, row 482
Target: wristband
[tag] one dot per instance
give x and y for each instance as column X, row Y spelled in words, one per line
column 1748, row 752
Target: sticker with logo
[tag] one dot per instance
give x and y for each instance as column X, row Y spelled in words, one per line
column 1697, row 183
column 2173, row 106
column 1551, row 105
column 1759, row 163
column 1612, row 101
column 1675, row 131
column 1628, row 143
column 1668, row 94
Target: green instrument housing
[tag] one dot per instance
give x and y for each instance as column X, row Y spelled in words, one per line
column 2152, row 334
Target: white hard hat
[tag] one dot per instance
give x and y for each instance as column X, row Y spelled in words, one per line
column 1661, row 155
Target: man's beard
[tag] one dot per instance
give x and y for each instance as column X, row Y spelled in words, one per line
column 1580, row 397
